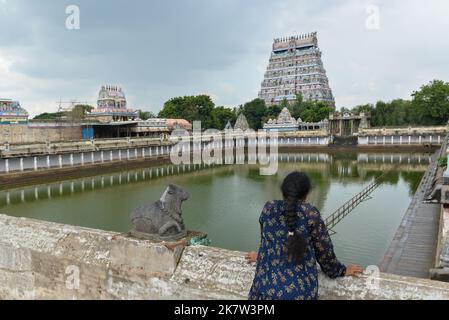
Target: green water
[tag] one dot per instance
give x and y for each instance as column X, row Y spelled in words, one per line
column 225, row 201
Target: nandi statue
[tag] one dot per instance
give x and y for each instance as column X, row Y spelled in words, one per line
column 162, row 220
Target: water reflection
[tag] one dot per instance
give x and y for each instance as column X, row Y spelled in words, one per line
column 323, row 168
column 228, row 198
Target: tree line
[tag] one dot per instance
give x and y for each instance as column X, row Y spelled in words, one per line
column 429, row 106
column 202, row 108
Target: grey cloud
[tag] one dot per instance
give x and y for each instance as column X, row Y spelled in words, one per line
column 160, row 49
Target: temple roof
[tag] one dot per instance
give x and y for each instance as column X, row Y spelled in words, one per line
column 10, row 107
column 111, row 92
column 241, row 123
column 285, row 117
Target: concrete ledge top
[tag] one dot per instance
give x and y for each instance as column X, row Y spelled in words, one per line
column 36, row 259
column 224, row 273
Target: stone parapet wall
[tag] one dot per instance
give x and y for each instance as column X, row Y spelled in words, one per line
column 404, row 131
column 430, row 139
column 443, row 240
column 44, row 260
column 77, row 146
column 20, row 134
column 300, row 134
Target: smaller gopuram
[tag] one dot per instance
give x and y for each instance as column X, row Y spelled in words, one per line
column 112, row 106
column 286, row 123
column 12, row 113
column 241, row 123
column 345, row 124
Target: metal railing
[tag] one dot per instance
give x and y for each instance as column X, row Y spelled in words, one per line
column 339, row 214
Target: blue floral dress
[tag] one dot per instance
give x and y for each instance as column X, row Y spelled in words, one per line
column 279, row 278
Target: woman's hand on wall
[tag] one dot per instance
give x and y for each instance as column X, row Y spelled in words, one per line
column 251, row 256
column 353, row 270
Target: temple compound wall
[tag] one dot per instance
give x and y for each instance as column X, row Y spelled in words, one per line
column 37, row 133
column 402, row 136
column 44, row 260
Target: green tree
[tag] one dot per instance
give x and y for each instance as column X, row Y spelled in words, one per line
column 431, row 103
column 314, row 111
column 191, row 108
column 272, row 112
column 221, row 116
column 296, row 107
column 145, row 115
column 50, row 116
column 363, row 108
column 255, row 112
column 78, row 112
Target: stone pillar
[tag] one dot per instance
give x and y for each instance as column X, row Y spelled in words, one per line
column 111, row 156
column 60, row 161
column 21, row 164
column 7, row 165
column 143, row 153
column 35, row 163
column 48, row 162
column 120, row 154
column 82, row 158
column 102, row 156
column 92, row 157
column 71, row 159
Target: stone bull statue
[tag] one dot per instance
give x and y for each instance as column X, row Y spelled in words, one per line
column 161, row 220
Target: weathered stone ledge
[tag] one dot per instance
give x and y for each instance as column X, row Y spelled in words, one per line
column 43, row 260
column 441, row 270
column 404, row 130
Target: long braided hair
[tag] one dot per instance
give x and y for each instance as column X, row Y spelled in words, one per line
column 295, row 187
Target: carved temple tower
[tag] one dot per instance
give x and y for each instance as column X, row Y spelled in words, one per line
column 294, row 67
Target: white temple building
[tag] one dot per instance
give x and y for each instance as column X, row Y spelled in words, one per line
column 286, row 123
column 12, row 113
column 112, row 106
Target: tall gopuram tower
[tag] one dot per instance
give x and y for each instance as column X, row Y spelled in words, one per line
column 295, row 66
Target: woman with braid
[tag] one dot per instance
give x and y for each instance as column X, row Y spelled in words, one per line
column 294, row 239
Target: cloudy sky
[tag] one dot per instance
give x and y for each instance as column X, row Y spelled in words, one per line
column 160, row 49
